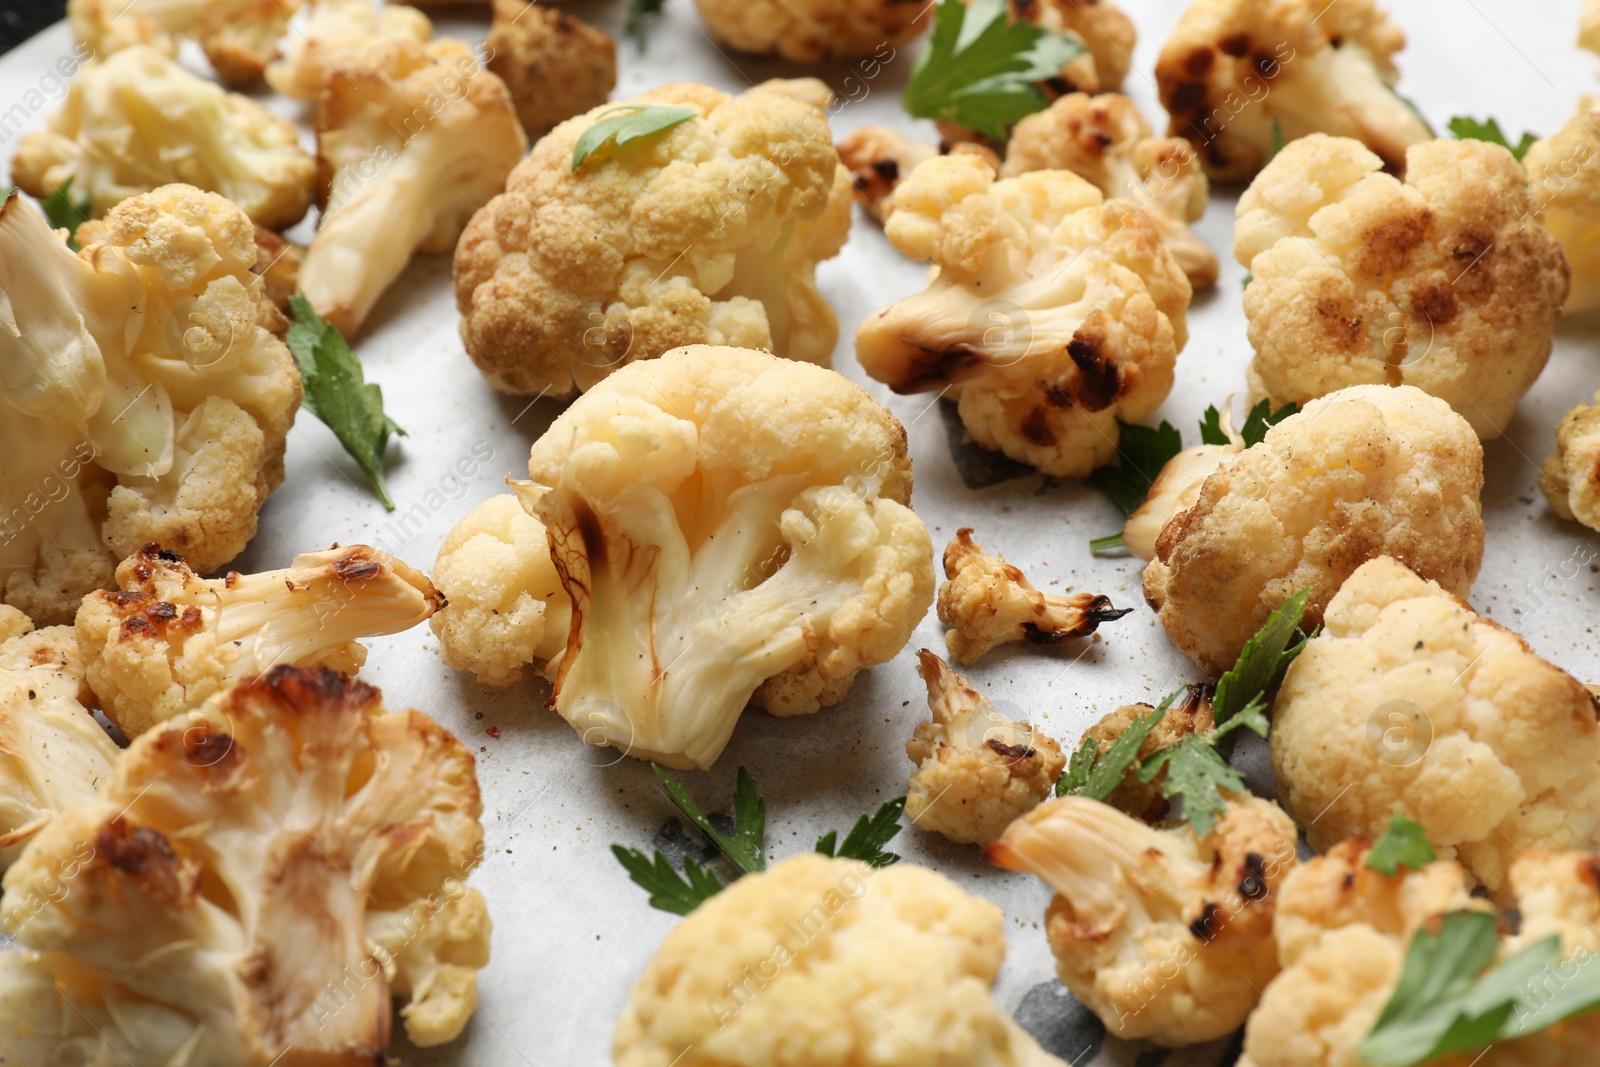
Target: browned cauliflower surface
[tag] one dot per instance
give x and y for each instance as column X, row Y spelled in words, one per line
column 1185, row 718
column 1570, row 476
column 813, row 31
column 555, row 64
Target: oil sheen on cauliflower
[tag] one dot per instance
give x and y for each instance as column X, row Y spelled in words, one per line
column 261, row 880
column 709, row 232
column 335, row 37
column 1364, row 472
column 1163, row 936
column 976, row 769
column 1562, row 177
column 555, row 65
column 168, row 640
column 1446, row 281
column 991, row 603
column 1409, row 702
column 730, row 528
column 1238, row 74
column 138, row 120
column 815, row 31
column 1050, row 313
column 779, row 970
column 142, row 399
column 1107, row 142
column 1570, row 476
column 240, row 37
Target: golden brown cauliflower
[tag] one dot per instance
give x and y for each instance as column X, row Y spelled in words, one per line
column 1363, row 472
column 1446, row 281
column 991, row 603
column 240, row 37
column 814, row 31
column 555, row 64
column 335, row 37
column 1570, row 476
column 1409, row 702
column 264, row 878
column 879, row 158
column 1104, row 140
column 1236, row 75
column 1589, row 26
column 1103, row 27
column 1562, row 178
column 708, row 232
column 1162, row 935
column 1184, row 718
column 976, row 769
column 1050, row 314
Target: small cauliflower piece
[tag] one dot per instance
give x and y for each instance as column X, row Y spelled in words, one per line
column 1447, row 281
column 240, row 37
column 335, row 37
column 138, row 120
column 869, row 968
column 815, row 31
column 405, row 165
column 168, row 639
column 1164, row 936
column 1050, row 313
column 1103, row 28
column 554, row 64
column 1409, row 702
column 1192, row 715
column 1104, row 140
column 730, row 528
column 1570, row 476
column 1237, row 74
column 1562, row 179
column 976, row 769
column 1364, row 472
column 879, row 158
column 249, row 877
column 708, row 232
column 107, row 26
column 991, row 603
column 505, row 606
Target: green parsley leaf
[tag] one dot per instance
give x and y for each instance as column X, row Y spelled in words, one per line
column 746, row 849
column 1211, row 432
column 337, row 392
column 1469, row 129
column 1198, row 771
column 618, row 125
column 867, row 837
column 1262, row 663
column 1403, row 844
column 1261, row 419
column 1107, row 545
column 1143, row 452
column 980, row 67
column 637, row 12
column 669, row 890
column 67, row 212
column 1277, row 138
column 1089, row 774
column 1244, row 283
column 1544, row 996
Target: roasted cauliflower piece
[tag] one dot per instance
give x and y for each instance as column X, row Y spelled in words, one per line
column 1364, row 472
column 879, row 158
column 976, row 769
column 1442, row 716
column 1570, row 476
column 1176, row 488
column 1446, row 281
column 1104, row 140
column 168, row 639
column 107, row 26
column 505, row 606
column 904, row 941
column 730, row 528
column 814, row 31
column 1103, row 27
column 1561, row 178
column 404, row 167
column 1185, row 718
column 240, row 37
column 555, row 65
column 1162, row 935
column 991, row 603
column 708, row 232
column 143, row 400
column 1049, row 315
column 1236, row 75
column 335, row 37
column 138, row 120
column 278, row 265
column 250, row 876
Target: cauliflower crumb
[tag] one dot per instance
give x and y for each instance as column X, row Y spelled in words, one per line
column 1570, row 476
column 815, row 31
column 555, row 65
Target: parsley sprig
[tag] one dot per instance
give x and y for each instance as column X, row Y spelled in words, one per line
column 1470, row 129
column 1096, row 776
column 867, row 837
column 67, row 212
column 627, row 122
column 1403, row 844
column 638, row 11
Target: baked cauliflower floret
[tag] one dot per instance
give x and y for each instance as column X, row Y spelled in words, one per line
column 991, row 603
column 847, row 939
column 1364, row 472
column 138, row 120
column 730, row 528
column 1570, row 476
column 505, row 607
column 1589, row 26
column 169, row 639
column 976, row 769
column 404, row 166
column 245, row 872
column 1184, row 718
column 708, row 232
column 1176, row 488
column 335, row 36
column 1236, row 75
column 814, row 31
column 1162, row 935
column 1104, row 28
column 1446, row 281
column 107, row 26
column 1104, row 140
column 555, row 64
column 144, row 400
column 239, row 36
column 1409, row 702
column 1049, row 315
column 1561, row 177
column 879, row 158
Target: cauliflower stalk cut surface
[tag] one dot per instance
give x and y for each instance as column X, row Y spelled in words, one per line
column 1364, row 472
column 168, row 639
column 138, row 120
column 1447, row 281
column 823, row 960
column 412, row 139
column 1409, row 702
column 256, row 884
column 708, row 232
column 1162, row 935
column 1049, row 314
column 142, row 400
column 1561, row 178
column 815, row 31
column 335, row 37
column 240, row 37
column 729, row 527
column 1236, row 75
column 1570, row 476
